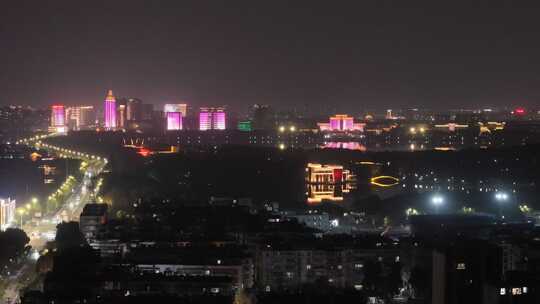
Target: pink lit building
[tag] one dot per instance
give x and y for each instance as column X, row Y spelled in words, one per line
column 174, row 114
column 174, row 121
column 110, row 111
column 58, row 119
column 341, row 122
column 212, row 119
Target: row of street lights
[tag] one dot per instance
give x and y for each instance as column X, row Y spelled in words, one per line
column 63, row 152
column 26, row 209
column 438, row 200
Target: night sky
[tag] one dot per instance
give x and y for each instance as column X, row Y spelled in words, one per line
column 352, row 55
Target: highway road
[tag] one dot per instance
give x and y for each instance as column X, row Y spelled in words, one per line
column 44, row 229
column 81, row 195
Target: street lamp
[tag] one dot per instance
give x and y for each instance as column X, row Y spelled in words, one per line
column 501, row 197
column 34, row 200
column 21, row 212
column 437, row 200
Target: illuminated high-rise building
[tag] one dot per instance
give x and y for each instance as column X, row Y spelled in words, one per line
column 58, row 116
column 110, row 111
column 174, row 115
column 80, row 117
column 176, row 107
column 205, row 120
column 7, row 212
column 121, row 117
column 218, row 120
column 174, row 121
column 121, row 113
column 58, row 119
column 212, row 119
column 134, row 109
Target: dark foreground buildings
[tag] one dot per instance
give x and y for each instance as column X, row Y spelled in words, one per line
column 229, row 252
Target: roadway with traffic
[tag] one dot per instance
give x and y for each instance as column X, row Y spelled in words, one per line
column 44, row 229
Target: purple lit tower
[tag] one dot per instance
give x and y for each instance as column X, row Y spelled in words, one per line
column 174, row 121
column 110, row 111
column 58, row 119
column 58, row 116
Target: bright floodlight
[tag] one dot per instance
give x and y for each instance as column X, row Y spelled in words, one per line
column 437, row 200
column 501, row 196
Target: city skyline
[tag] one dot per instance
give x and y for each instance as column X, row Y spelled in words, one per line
column 350, row 55
column 269, row 152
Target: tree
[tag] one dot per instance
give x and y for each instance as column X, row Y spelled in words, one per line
column 12, row 245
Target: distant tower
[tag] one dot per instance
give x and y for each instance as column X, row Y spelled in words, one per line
column 110, row 111
column 58, row 119
column 58, row 116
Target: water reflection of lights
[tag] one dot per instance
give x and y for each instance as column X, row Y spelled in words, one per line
column 380, row 181
column 344, row 145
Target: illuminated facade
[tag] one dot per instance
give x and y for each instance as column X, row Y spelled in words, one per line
column 176, row 107
column 122, row 115
column 327, row 174
column 341, row 122
column 317, row 193
column 134, row 109
column 110, row 111
column 58, row 119
column 212, row 119
column 174, row 121
column 327, row 182
column 174, row 114
column 451, row 127
column 81, row 117
column 7, row 212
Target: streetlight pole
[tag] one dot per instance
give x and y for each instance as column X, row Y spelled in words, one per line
column 21, row 212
